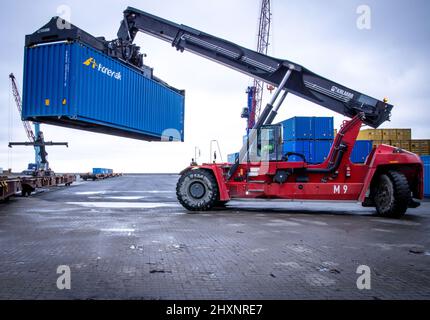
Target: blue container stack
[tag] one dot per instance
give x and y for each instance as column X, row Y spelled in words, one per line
column 313, row 137
column 361, row 150
column 102, row 171
column 426, row 161
column 310, row 136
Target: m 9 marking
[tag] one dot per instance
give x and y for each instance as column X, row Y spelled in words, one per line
column 337, row 189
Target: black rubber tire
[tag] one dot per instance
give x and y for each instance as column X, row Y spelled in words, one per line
column 392, row 194
column 206, row 183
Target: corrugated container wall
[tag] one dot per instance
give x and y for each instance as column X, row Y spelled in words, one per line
column 315, row 151
column 361, row 150
column 298, row 128
column 404, row 134
column 371, row 134
column 72, row 85
column 389, row 134
column 420, row 147
column 323, row 128
column 320, row 151
column 300, row 146
column 426, row 161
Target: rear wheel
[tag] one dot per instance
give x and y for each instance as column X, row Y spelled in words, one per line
column 197, row 190
column 392, row 194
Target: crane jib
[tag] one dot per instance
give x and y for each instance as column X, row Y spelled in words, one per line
column 302, row 82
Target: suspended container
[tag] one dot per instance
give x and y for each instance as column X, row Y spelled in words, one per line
column 72, row 85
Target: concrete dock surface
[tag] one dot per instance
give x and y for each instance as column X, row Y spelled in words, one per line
column 129, row 238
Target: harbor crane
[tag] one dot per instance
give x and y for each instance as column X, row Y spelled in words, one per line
column 35, row 139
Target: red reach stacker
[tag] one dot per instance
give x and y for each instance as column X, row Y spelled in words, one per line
column 391, row 179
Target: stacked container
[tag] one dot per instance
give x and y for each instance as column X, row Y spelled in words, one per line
column 426, row 161
column 309, row 136
column 420, row 147
column 361, row 150
column 399, row 138
column 102, row 171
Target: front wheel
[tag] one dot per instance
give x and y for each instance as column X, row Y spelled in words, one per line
column 197, row 190
column 392, row 194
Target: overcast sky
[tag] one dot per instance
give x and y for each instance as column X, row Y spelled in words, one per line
column 389, row 60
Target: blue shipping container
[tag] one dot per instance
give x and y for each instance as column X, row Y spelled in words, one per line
column 320, row 151
column 323, row 128
column 314, row 151
column 426, row 161
column 297, row 128
column 308, row 128
column 301, row 146
column 102, row 171
column 72, row 85
column 361, row 150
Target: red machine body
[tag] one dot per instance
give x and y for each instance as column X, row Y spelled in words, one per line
column 348, row 182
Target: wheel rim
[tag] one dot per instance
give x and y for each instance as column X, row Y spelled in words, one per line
column 197, row 190
column 384, row 196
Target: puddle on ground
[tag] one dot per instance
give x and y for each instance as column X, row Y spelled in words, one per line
column 120, row 198
column 92, row 193
column 259, row 250
column 386, row 246
column 124, row 205
column 89, row 193
column 120, row 230
column 282, row 223
column 315, row 222
column 299, row 249
column 293, row 265
column 49, row 210
column 398, row 222
column 382, row 230
column 318, row 280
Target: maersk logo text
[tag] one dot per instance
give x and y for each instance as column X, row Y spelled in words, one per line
column 91, row 62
